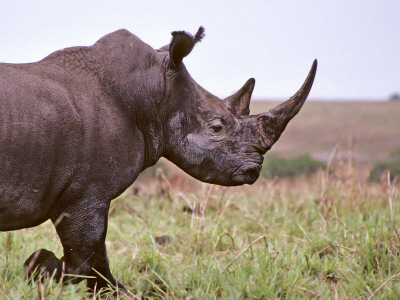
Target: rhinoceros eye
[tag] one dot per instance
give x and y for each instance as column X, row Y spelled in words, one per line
column 216, row 128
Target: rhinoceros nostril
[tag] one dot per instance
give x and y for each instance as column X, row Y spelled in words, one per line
column 247, row 174
column 252, row 172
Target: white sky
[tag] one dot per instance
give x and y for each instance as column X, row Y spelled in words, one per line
column 357, row 43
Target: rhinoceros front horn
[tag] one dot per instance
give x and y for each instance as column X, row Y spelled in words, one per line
column 274, row 122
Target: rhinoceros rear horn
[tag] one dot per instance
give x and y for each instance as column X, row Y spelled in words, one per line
column 239, row 102
column 182, row 44
column 274, row 121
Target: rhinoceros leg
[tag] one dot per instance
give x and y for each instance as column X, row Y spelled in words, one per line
column 82, row 230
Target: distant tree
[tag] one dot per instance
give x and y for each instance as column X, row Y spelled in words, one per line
column 395, row 97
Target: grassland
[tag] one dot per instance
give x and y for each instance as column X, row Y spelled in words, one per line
column 369, row 129
column 329, row 236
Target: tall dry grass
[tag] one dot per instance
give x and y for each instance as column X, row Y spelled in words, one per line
column 333, row 235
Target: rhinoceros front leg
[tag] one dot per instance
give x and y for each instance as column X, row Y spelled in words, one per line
column 82, row 230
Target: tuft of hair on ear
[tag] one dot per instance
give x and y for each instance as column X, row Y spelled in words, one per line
column 199, row 35
column 187, row 38
column 182, row 44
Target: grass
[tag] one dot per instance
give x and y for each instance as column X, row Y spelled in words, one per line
column 329, row 236
column 333, row 235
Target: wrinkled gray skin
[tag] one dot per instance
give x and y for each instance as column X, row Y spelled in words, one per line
column 77, row 128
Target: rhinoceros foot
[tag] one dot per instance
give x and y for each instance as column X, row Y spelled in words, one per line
column 42, row 264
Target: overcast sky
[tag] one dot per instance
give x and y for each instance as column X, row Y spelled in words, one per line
column 357, row 43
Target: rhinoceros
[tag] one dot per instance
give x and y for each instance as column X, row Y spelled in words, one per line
column 77, row 128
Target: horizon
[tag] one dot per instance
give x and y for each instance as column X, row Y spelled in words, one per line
column 380, row 100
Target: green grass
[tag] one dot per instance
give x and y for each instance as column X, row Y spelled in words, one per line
column 391, row 165
column 329, row 236
column 290, row 167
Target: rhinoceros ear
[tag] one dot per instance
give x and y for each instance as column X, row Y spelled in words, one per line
column 239, row 102
column 182, row 44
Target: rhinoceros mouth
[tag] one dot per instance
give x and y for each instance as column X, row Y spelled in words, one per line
column 246, row 174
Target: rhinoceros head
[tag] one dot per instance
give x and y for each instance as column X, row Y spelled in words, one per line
column 214, row 140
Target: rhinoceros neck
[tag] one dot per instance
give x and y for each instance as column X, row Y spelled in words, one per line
column 76, row 58
column 137, row 76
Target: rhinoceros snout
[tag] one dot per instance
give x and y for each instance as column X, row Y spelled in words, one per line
column 247, row 174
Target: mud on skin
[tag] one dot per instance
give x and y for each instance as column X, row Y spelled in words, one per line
column 79, row 126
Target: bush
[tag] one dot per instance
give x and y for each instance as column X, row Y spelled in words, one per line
column 291, row 167
column 394, row 97
column 392, row 164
